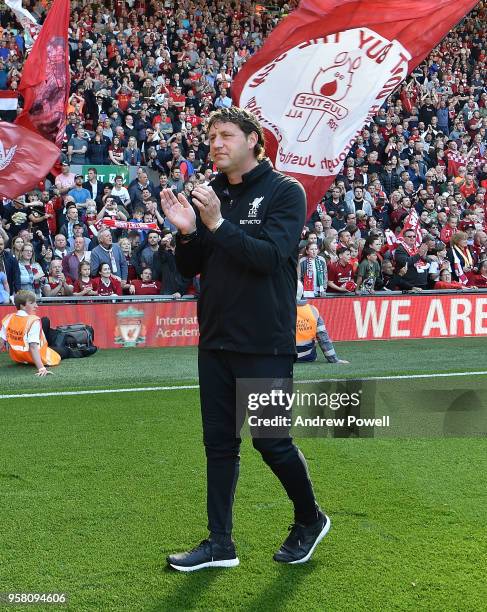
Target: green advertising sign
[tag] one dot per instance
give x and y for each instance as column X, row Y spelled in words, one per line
column 107, row 174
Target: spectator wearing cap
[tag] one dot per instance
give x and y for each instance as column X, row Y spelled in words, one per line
column 65, row 181
column 72, row 219
column 79, row 230
column 79, row 193
column 77, row 147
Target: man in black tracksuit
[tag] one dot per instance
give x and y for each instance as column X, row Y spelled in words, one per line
column 244, row 243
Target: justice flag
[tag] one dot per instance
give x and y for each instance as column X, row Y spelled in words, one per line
column 44, row 84
column 25, row 159
column 26, row 20
column 327, row 68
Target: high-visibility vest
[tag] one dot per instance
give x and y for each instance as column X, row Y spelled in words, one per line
column 306, row 324
column 17, row 328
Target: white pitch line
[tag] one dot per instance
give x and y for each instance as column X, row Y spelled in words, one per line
column 98, row 391
column 182, row 387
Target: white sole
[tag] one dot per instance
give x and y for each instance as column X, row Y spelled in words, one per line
column 194, row 568
column 323, row 533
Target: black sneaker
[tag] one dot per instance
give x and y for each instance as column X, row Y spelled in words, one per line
column 301, row 542
column 206, row 554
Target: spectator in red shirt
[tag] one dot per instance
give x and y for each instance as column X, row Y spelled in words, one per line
column 449, row 229
column 446, row 282
column 106, row 284
column 478, row 280
column 84, row 283
column 340, row 274
column 145, row 286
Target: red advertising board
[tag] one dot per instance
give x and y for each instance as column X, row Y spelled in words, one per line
column 405, row 316
column 158, row 324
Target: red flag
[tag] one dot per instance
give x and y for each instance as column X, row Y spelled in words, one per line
column 411, row 222
column 327, row 68
column 25, row 159
column 45, row 77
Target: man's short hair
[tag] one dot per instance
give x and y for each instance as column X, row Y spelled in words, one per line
column 246, row 121
column 342, row 249
column 22, row 297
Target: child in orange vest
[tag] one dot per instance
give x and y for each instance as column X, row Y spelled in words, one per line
column 22, row 332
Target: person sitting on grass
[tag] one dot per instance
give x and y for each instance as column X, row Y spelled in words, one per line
column 28, row 337
column 105, row 283
column 309, row 328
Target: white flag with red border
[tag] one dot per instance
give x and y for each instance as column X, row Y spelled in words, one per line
column 327, row 68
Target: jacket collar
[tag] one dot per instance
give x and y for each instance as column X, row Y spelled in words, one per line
column 221, row 180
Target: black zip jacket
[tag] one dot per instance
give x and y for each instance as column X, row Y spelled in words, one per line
column 248, row 266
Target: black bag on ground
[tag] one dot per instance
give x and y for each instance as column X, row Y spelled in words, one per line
column 75, row 336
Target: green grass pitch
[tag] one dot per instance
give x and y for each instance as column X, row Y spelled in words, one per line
column 97, row 489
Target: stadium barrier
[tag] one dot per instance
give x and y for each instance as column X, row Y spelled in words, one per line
column 155, row 322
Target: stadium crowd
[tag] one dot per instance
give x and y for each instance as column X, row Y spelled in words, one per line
column 144, row 78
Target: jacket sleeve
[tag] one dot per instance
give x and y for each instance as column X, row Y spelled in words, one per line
column 279, row 234
column 402, row 258
column 94, row 262
column 190, row 256
column 124, row 268
column 16, row 269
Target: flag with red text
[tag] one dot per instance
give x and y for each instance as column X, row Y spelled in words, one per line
column 44, row 84
column 327, row 68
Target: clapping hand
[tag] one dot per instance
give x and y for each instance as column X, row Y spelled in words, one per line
column 179, row 211
column 207, row 202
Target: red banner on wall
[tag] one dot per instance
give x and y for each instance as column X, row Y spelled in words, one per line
column 157, row 324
